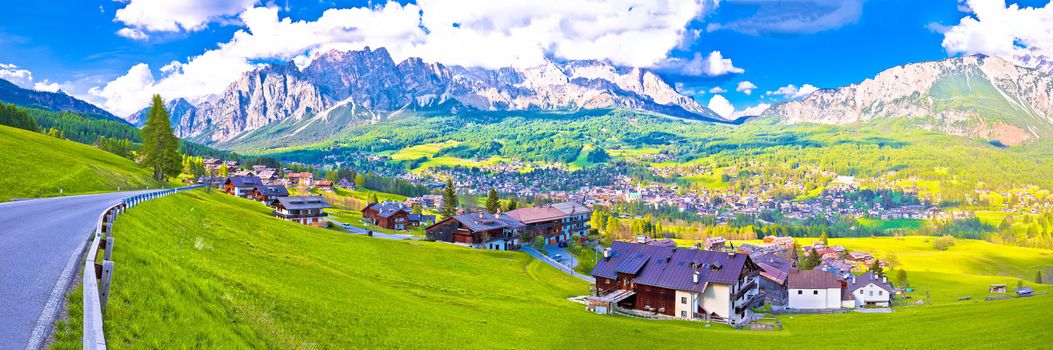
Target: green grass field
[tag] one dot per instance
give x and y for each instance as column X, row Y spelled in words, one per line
column 198, row 270
column 37, row 165
column 429, row 150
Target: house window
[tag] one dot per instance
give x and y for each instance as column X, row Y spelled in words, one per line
column 815, row 292
column 860, row 292
column 871, row 293
column 800, row 292
column 683, row 313
column 683, row 300
column 880, row 292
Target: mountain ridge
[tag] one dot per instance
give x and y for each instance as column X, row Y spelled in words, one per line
column 52, row 101
column 368, row 85
column 972, row 96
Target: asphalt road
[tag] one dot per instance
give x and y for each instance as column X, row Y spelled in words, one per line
column 41, row 241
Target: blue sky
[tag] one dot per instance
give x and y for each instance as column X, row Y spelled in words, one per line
column 79, row 45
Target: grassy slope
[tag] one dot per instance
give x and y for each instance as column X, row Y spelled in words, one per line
column 204, row 271
column 37, row 165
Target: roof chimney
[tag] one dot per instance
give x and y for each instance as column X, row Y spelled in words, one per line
column 607, row 254
column 884, row 279
column 696, row 277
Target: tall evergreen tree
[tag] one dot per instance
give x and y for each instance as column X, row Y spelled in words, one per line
column 512, row 204
column 493, row 204
column 449, row 200
column 160, row 146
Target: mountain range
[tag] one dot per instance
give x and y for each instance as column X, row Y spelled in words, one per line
column 973, row 96
column 52, row 101
column 340, row 90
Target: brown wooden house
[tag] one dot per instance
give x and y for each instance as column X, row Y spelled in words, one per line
column 389, row 215
column 241, row 186
column 478, row 230
column 678, row 282
column 307, row 210
column 268, row 193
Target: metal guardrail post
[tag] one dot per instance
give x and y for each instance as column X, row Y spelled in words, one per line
column 109, row 248
column 104, row 284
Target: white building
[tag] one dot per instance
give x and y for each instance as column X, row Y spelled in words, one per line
column 869, row 289
column 813, row 290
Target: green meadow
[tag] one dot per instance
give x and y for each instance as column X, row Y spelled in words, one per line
column 198, row 270
column 37, row 165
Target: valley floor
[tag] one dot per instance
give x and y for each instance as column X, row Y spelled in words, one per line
column 199, row 270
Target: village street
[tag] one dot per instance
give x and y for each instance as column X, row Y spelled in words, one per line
column 361, row 231
column 40, row 249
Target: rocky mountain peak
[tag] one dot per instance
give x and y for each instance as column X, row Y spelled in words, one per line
column 975, row 96
column 357, row 86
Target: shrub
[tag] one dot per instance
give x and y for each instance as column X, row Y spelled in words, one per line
column 943, row 243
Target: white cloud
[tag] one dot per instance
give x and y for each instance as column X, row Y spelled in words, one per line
column 717, row 90
column 791, row 17
column 1023, row 34
column 745, row 87
column 721, row 106
column 478, row 33
column 128, row 91
column 47, row 86
column 24, row 79
column 793, row 92
column 711, row 65
column 15, row 75
column 175, row 16
column 133, row 34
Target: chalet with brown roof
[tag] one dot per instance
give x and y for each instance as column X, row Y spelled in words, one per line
column 304, row 179
column 556, row 222
column 678, row 282
column 814, row 290
column 389, row 215
column 478, row 230
column 268, row 193
column 307, row 210
column 241, row 186
column 324, row 185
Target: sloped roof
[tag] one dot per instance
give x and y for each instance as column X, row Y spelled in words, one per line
column 812, row 279
column 572, row 208
column 671, row 267
column 387, row 209
column 273, row 190
column 532, row 215
column 485, row 222
column 868, row 278
column 244, row 181
column 773, row 266
column 302, row 202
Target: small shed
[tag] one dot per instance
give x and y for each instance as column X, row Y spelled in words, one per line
column 997, row 288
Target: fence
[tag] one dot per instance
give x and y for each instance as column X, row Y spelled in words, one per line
column 97, row 277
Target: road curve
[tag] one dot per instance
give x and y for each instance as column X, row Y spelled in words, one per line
column 41, row 241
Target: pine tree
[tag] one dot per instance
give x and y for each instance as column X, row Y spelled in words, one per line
column 493, row 204
column 876, row 268
column 449, row 200
column 826, row 240
column 160, row 145
column 512, row 205
column 373, row 198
